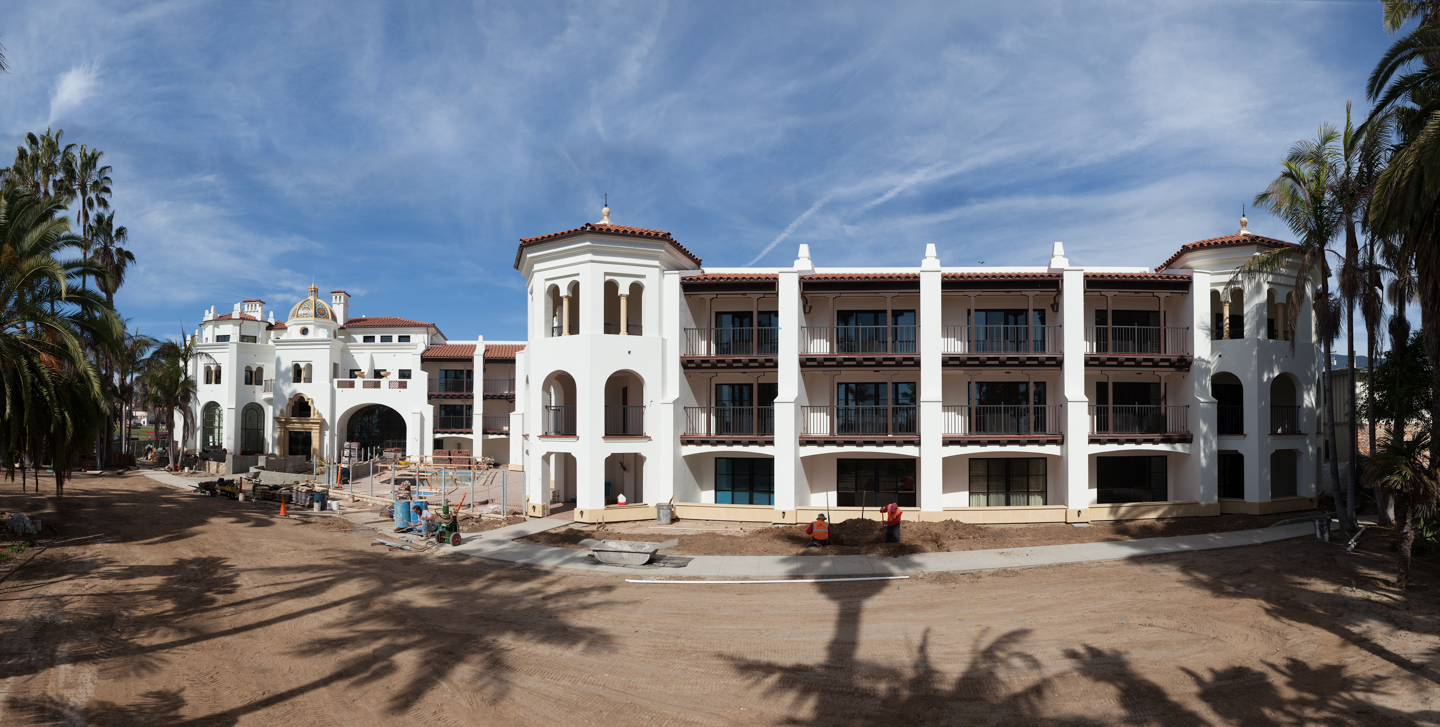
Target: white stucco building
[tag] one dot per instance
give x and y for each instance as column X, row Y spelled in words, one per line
column 1050, row 393
column 318, row 378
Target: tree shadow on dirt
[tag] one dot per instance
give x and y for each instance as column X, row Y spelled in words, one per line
column 401, row 624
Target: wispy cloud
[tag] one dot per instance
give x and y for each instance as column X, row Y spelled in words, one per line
column 792, row 227
column 72, row 89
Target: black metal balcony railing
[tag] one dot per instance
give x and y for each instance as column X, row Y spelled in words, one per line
column 270, row 386
column 453, row 423
column 495, row 424
column 499, row 386
column 560, row 330
column 729, row 420
column 451, row 386
column 1137, row 340
column 829, row 421
column 732, row 341
column 624, row 421
column 1003, row 339
column 560, row 420
column 1230, row 419
column 631, row 329
column 1139, row 419
column 1017, row 419
column 849, row 340
column 1285, row 420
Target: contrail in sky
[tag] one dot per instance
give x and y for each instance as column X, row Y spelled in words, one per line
column 793, row 225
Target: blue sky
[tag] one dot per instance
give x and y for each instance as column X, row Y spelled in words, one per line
column 399, row 151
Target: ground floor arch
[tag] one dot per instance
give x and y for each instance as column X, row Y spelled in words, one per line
column 625, row 475
column 212, row 426
column 558, row 473
column 375, row 428
column 252, row 429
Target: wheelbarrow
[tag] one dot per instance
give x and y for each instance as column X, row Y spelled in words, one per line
column 625, row 552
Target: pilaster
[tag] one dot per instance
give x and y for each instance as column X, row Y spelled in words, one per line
column 1076, row 458
column 789, row 474
column 932, row 417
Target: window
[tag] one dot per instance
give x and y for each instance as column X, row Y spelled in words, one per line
column 210, row 379
column 733, row 414
column 252, row 430
column 457, row 381
column 309, row 373
column 455, row 416
column 379, row 374
column 217, row 374
column 249, row 376
column 1130, row 479
column 744, row 481
column 367, row 339
column 259, row 375
column 1232, row 475
column 874, row 482
column 1014, row 482
column 295, row 374
column 387, row 339
column 404, row 373
column 865, row 331
column 211, row 428
column 864, row 408
column 247, row 339
column 355, row 373
column 402, row 339
column 1004, row 330
column 223, row 339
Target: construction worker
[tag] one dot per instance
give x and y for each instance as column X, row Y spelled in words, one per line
column 425, row 522
column 891, row 516
column 819, row 532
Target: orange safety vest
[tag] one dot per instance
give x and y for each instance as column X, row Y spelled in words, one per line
column 821, row 530
column 893, row 516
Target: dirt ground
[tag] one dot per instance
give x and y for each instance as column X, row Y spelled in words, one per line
column 158, row 607
column 857, row 536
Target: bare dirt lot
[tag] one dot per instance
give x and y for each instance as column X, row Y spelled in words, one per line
column 158, row 607
column 857, row 536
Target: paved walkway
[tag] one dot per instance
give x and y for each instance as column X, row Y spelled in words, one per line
column 499, row 545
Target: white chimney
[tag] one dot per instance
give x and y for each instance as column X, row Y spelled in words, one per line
column 1058, row 261
column 340, row 304
column 931, row 261
column 802, row 263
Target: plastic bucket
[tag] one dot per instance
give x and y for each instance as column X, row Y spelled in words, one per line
column 664, row 513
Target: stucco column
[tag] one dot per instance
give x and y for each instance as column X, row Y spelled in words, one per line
column 1076, row 449
column 1200, row 466
column 789, row 474
column 624, row 314
column 564, row 315
column 932, row 385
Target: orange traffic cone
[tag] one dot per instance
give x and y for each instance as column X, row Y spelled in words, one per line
column 282, row 507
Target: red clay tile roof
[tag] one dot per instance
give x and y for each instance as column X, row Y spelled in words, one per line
column 276, row 326
column 502, row 351
column 1225, row 241
column 1000, row 276
column 252, row 300
column 1134, row 276
column 338, row 291
column 231, row 316
column 385, row 322
column 833, row 277
column 449, row 350
column 730, row 278
column 591, row 228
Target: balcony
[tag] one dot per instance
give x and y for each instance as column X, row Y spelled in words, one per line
column 860, row 345
column 1146, row 346
column 557, row 331
column 979, row 425
column 454, row 424
column 1002, row 345
column 451, row 388
column 859, row 425
column 1137, row 424
column 372, row 384
column 730, row 347
column 732, row 425
column 495, row 424
column 1230, row 419
column 624, row 421
column 499, row 388
column 559, row 421
column 631, row 329
column 269, row 386
column 1285, row 420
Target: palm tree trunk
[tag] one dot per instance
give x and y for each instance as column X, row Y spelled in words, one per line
column 1353, row 481
column 1407, row 541
column 1341, row 511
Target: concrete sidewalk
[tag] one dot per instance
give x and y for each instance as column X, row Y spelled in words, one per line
column 499, row 545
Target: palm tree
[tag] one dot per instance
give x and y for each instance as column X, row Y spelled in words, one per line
column 87, row 181
column 130, row 367
column 1303, row 196
column 108, row 253
column 170, row 386
column 1402, row 468
column 40, row 164
column 53, row 397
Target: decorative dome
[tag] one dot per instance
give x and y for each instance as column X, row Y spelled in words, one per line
column 312, row 308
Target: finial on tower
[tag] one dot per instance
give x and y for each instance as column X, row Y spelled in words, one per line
column 605, row 211
column 1243, row 221
column 313, row 289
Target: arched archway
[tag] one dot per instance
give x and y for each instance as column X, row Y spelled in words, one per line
column 1229, row 396
column 1284, row 405
column 211, row 426
column 252, row 429
column 624, row 405
column 297, row 428
column 376, row 427
column 557, row 398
